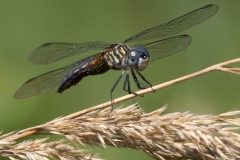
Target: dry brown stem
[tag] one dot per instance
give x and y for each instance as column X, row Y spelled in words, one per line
column 170, row 136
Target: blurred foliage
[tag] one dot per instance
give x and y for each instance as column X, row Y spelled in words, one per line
column 27, row 24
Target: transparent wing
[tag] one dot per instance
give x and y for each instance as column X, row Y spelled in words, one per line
column 177, row 25
column 47, row 81
column 166, row 47
column 51, row 52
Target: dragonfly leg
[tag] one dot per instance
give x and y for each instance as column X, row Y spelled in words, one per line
column 136, row 80
column 143, row 78
column 113, row 87
column 127, row 81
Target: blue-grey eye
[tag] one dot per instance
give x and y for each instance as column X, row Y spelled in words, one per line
column 143, row 52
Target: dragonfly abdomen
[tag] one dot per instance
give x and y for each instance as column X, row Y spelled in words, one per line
column 116, row 56
column 91, row 66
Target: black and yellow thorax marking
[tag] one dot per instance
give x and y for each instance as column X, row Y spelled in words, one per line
column 115, row 56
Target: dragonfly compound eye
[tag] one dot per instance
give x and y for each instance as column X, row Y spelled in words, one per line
column 133, row 57
column 143, row 58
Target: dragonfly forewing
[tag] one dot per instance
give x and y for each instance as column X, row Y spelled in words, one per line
column 177, row 25
column 51, row 52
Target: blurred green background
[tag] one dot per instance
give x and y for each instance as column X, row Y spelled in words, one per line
column 25, row 25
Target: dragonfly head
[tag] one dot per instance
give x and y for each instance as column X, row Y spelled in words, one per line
column 138, row 58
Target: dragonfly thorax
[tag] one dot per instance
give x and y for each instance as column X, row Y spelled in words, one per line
column 121, row 57
column 138, row 58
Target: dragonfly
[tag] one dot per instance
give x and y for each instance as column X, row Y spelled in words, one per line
column 131, row 56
